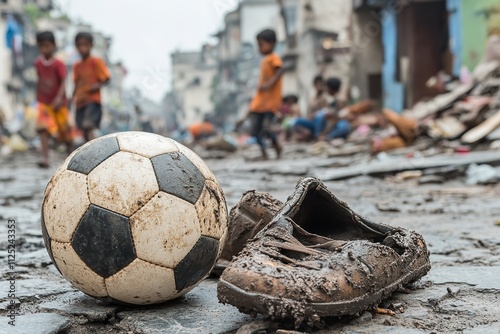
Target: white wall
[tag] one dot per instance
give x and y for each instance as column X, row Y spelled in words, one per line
column 307, row 69
column 230, row 44
column 196, row 103
column 257, row 17
column 368, row 51
column 181, row 75
column 5, row 73
column 12, row 5
column 198, row 97
column 195, row 99
column 329, row 15
column 326, row 15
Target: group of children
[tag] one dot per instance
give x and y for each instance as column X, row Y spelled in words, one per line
column 325, row 119
column 90, row 74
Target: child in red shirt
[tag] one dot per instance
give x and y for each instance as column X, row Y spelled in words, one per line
column 90, row 75
column 53, row 114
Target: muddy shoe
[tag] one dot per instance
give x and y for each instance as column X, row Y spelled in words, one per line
column 254, row 211
column 317, row 258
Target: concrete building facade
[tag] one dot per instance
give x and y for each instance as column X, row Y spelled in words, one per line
column 10, row 83
column 193, row 76
column 379, row 48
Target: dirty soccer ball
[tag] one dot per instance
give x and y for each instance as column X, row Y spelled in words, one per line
column 134, row 218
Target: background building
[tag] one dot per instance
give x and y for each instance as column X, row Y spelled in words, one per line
column 193, row 75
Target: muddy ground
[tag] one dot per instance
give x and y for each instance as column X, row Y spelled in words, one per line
column 460, row 294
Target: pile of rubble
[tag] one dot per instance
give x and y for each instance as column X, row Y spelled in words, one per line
column 470, row 112
column 455, row 133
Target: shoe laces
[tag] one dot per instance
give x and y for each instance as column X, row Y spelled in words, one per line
column 288, row 244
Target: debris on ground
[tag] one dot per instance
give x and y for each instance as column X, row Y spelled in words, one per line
column 482, row 174
column 224, row 143
column 395, row 164
column 456, row 249
column 468, row 114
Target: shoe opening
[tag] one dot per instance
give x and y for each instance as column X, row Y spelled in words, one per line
column 320, row 214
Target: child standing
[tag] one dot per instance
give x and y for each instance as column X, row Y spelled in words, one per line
column 267, row 101
column 53, row 115
column 90, row 75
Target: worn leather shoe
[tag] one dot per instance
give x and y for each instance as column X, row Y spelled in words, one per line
column 317, row 258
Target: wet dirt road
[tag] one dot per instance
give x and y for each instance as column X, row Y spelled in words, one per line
column 459, row 295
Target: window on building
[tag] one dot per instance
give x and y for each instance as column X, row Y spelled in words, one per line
column 196, row 82
column 324, row 46
column 291, row 18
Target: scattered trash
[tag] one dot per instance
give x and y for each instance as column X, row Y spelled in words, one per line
column 431, row 179
column 363, row 130
column 319, row 148
column 224, row 143
column 482, row 174
column 495, row 145
column 387, row 207
column 386, row 164
column 17, row 143
column 286, row 331
column 379, row 310
column 408, row 175
column 462, row 150
column 5, row 151
column 495, row 135
column 482, row 130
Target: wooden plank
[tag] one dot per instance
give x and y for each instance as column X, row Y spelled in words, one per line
column 397, row 165
column 495, row 135
column 445, row 101
column 440, row 102
column 484, row 70
column 447, row 127
column 482, row 130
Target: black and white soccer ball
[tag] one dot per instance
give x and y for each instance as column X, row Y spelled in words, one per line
column 135, row 218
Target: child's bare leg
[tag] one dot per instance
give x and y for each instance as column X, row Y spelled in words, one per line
column 264, row 155
column 65, row 135
column 44, row 143
column 275, row 141
column 88, row 134
column 69, row 147
column 278, row 148
column 262, row 145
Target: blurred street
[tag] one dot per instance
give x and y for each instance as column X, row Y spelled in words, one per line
column 393, row 104
column 458, row 222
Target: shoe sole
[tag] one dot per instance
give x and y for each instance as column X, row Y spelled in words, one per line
column 283, row 308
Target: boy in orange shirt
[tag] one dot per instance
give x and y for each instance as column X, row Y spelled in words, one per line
column 268, row 100
column 90, row 75
column 53, row 115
